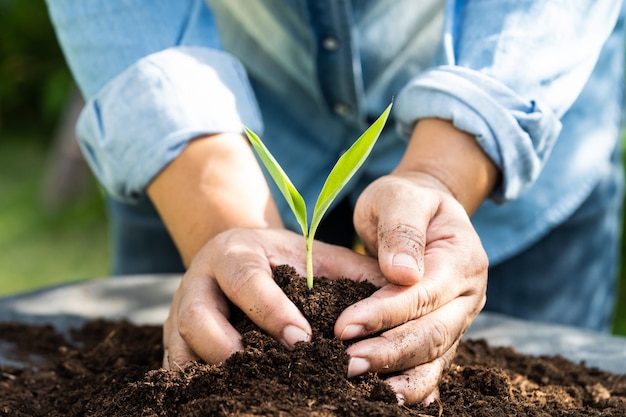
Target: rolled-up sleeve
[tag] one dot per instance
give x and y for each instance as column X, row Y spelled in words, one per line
column 142, row 119
column 512, row 69
column 154, row 77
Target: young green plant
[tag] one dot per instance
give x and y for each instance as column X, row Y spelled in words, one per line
column 345, row 167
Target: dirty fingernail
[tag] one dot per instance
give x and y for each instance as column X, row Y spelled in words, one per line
column 357, row 366
column 294, row 334
column 404, row 260
column 400, row 399
column 351, row 331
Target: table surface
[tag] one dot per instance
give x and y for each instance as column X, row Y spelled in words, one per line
column 144, row 299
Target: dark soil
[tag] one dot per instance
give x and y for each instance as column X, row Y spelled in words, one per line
column 112, row 369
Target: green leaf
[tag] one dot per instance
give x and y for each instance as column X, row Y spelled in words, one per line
column 345, row 168
column 286, row 187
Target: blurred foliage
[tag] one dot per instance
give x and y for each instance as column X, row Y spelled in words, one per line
column 34, row 78
column 41, row 247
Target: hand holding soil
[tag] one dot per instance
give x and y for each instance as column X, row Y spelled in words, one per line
column 415, row 344
column 416, row 309
column 198, row 326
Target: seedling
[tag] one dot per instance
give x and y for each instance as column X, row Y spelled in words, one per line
column 347, row 165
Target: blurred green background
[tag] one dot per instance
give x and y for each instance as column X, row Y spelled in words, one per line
column 53, row 226
column 52, row 223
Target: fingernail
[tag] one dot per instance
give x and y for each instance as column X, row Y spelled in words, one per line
column 357, row 366
column 400, row 399
column 351, row 331
column 293, row 334
column 404, row 260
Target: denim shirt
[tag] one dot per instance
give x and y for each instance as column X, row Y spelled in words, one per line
column 538, row 83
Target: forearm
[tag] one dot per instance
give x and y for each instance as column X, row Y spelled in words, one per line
column 445, row 156
column 214, row 185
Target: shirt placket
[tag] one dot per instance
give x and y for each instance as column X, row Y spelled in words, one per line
column 337, row 58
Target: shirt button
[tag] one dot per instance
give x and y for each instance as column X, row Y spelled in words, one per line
column 330, row 43
column 341, row 109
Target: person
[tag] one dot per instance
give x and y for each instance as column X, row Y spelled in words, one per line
column 500, row 159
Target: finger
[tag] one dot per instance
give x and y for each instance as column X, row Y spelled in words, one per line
column 450, row 274
column 201, row 323
column 392, row 218
column 456, row 266
column 433, row 396
column 176, row 353
column 391, row 306
column 401, row 249
column 245, row 276
column 420, row 383
column 414, row 343
column 418, row 225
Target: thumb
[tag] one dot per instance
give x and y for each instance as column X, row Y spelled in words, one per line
column 392, row 217
column 400, row 251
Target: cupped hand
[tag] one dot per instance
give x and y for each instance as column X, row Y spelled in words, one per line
column 436, row 270
column 236, row 266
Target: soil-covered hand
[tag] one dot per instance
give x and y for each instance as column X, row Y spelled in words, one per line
column 436, row 270
column 236, row 266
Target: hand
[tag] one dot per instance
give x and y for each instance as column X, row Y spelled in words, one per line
column 437, row 278
column 236, row 265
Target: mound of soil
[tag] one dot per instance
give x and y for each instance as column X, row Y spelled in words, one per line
column 113, row 369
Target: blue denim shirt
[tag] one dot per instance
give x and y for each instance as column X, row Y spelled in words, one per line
column 538, row 83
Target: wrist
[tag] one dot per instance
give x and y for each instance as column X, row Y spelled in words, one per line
column 214, row 185
column 444, row 157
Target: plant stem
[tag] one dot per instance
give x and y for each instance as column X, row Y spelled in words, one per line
column 308, row 241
